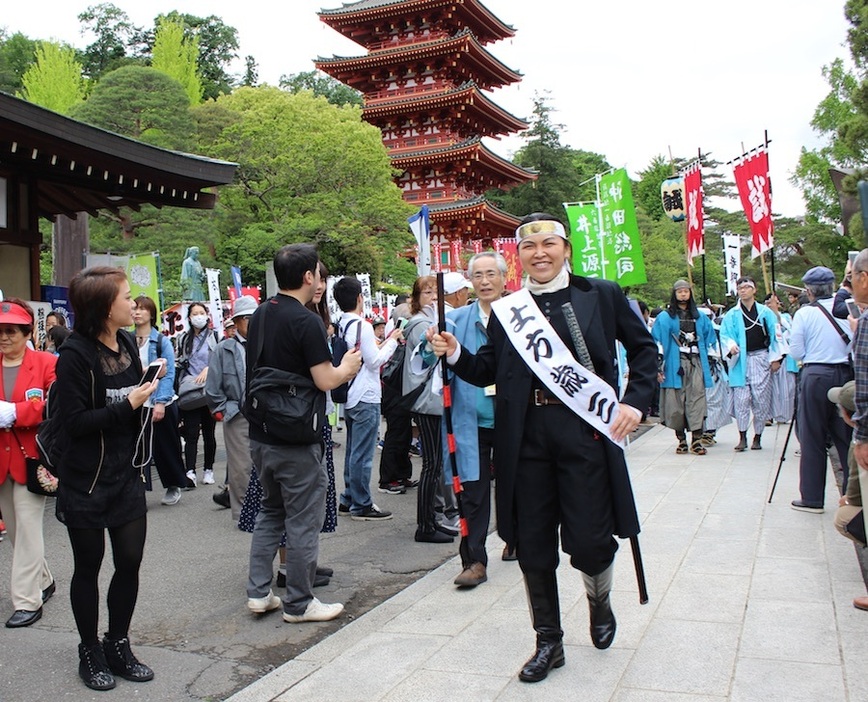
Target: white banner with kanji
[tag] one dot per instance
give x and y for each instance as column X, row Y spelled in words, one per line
column 732, row 262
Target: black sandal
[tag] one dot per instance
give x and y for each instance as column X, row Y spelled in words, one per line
column 697, row 448
column 682, row 447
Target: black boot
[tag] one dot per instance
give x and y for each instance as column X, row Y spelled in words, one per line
column 742, row 442
column 602, row 618
column 542, row 596
column 93, row 668
column 756, row 445
column 122, row 661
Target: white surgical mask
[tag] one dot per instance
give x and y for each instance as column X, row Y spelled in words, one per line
column 199, row 320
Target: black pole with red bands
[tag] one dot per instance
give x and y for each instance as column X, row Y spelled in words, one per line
column 447, row 410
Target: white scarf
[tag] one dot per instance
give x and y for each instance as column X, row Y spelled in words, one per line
column 559, row 282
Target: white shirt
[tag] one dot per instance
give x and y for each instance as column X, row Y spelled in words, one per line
column 814, row 339
column 366, row 387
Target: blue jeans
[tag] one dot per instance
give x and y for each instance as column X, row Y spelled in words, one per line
column 363, row 422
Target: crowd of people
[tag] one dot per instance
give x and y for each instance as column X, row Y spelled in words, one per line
column 520, row 368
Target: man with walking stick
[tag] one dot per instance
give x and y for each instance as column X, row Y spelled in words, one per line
column 560, row 428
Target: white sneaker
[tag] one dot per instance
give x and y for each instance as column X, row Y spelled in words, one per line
column 264, row 604
column 172, row 496
column 191, row 479
column 208, row 478
column 316, row 612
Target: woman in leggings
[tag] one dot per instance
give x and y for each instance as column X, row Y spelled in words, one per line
column 102, row 486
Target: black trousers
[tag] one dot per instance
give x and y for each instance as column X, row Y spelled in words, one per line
column 432, row 470
column 194, row 421
column 395, row 461
column 562, row 481
column 167, row 449
column 476, row 504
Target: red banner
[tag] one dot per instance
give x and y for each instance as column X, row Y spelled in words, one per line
column 476, row 245
column 455, row 254
column 508, row 248
column 437, row 263
column 695, row 213
column 754, row 189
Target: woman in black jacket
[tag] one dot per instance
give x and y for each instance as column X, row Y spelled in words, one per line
column 99, row 406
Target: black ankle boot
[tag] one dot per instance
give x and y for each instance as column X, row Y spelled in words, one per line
column 542, row 595
column 123, row 663
column 603, row 624
column 742, row 442
column 93, row 668
column 757, row 442
column 548, row 655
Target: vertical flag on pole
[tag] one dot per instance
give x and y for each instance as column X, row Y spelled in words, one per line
column 476, row 245
column 236, row 280
column 142, row 273
column 585, row 239
column 622, row 249
column 752, row 180
column 732, row 262
column 695, row 215
column 421, row 228
column 437, row 266
column 212, row 275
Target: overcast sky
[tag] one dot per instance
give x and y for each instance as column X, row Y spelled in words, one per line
column 629, row 79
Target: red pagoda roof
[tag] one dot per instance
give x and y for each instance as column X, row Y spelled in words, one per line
column 461, row 56
column 366, row 22
column 465, row 104
column 476, row 217
column 470, row 162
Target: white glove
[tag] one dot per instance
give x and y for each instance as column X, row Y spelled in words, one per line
column 7, row 414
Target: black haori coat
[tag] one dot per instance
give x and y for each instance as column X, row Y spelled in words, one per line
column 604, row 316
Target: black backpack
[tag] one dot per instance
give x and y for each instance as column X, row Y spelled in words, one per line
column 339, row 348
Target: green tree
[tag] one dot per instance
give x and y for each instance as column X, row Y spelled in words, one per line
column 176, row 56
column 251, row 73
column 322, row 84
column 561, row 170
column 142, row 103
column 17, row 54
column 55, row 80
column 114, row 45
column 217, row 45
column 308, row 171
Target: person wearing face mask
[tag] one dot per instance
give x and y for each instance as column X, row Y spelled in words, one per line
column 560, row 463
column 194, row 353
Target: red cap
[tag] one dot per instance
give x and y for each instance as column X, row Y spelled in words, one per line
column 10, row 313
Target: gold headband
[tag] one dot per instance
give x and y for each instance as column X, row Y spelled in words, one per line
column 546, row 226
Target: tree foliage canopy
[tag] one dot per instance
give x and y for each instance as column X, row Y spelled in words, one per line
column 176, row 56
column 54, row 81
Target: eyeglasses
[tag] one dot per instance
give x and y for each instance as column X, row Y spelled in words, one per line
column 10, row 331
column 485, row 275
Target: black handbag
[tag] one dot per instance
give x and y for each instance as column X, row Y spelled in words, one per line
column 283, row 404
column 40, row 480
column 856, row 527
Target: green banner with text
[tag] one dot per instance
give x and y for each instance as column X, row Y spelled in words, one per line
column 583, row 218
column 622, row 249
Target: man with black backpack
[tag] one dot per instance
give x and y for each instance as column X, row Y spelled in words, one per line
column 288, row 341
column 362, row 408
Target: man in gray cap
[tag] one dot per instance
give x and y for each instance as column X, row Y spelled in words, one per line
column 224, row 389
column 684, row 337
column 822, row 343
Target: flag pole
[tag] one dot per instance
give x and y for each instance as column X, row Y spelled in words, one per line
column 686, row 225
column 766, row 141
column 702, row 214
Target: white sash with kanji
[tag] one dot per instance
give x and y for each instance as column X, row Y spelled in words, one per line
column 549, row 359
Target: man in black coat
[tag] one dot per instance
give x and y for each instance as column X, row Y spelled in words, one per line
column 556, row 470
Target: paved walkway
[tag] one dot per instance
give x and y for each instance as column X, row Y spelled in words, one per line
column 749, row 601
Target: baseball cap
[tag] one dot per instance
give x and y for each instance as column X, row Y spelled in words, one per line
column 845, row 395
column 453, row 282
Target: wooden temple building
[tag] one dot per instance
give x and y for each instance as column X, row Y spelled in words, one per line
column 424, row 81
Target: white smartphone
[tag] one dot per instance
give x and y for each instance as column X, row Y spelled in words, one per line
column 853, row 309
column 151, row 372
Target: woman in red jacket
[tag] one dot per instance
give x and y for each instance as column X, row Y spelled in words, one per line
column 26, row 375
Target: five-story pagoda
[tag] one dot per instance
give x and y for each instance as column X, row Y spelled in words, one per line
column 423, row 80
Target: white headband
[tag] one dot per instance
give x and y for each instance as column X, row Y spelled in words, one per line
column 545, row 226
